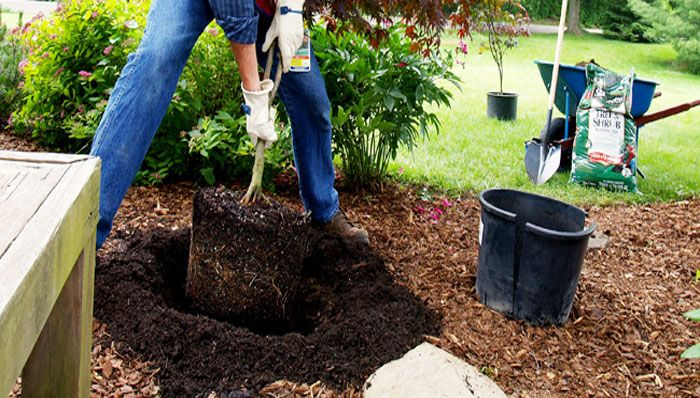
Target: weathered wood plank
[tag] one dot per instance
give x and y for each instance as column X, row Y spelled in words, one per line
column 37, row 264
column 42, row 157
column 54, row 367
column 23, row 200
column 9, row 181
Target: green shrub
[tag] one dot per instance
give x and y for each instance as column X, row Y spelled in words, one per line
column 677, row 22
column 621, row 23
column 379, row 97
column 694, row 351
column 215, row 140
column 616, row 18
column 11, row 54
column 74, row 60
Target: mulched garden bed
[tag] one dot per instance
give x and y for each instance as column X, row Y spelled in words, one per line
column 351, row 318
column 623, row 339
column 625, row 334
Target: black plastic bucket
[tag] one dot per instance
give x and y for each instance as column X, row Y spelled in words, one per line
column 530, row 256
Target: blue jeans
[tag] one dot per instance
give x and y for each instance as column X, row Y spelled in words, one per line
column 143, row 92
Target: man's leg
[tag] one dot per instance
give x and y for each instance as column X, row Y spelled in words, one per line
column 141, row 97
column 306, row 102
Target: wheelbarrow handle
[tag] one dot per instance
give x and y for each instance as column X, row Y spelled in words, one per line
column 641, row 121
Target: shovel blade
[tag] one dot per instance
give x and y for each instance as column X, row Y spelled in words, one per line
column 541, row 161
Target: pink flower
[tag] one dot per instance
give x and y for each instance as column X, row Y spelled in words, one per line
column 420, row 209
column 66, row 49
column 108, row 50
column 84, row 73
column 59, row 8
column 446, row 203
column 52, row 37
column 94, row 15
column 463, row 47
column 401, row 65
column 213, row 31
column 20, row 85
column 14, row 30
column 401, row 170
column 438, row 211
column 131, row 24
column 81, row 109
column 58, row 71
column 22, row 64
column 45, row 55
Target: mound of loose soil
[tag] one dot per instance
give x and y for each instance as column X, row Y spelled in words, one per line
column 350, row 318
column 245, row 261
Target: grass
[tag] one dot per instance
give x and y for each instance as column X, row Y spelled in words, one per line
column 473, row 152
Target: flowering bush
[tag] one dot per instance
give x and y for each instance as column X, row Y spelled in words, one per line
column 11, row 54
column 74, row 58
column 503, row 22
column 379, row 97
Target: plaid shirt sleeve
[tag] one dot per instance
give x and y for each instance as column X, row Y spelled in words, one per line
column 237, row 18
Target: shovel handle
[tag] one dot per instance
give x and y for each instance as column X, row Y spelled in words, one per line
column 555, row 71
column 557, row 55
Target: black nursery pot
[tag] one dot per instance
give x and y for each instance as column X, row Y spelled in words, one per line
column 530, row 256
column 503, row 106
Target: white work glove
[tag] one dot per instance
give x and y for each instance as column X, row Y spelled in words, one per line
column 260, row 118
column 288, row 28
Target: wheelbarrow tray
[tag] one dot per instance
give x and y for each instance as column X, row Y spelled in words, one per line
column 572, row 80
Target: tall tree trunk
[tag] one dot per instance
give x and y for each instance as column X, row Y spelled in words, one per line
column 573, row 23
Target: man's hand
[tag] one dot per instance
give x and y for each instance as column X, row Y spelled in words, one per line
column 288, row 27
column 260, row 121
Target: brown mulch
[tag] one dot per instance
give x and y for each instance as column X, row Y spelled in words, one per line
column 11, row 142
column 625, row 333
column 623, row 339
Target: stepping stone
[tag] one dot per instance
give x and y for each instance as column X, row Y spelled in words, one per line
column 598, row 241
column 427, row 371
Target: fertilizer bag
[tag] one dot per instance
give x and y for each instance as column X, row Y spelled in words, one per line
column 605, row 148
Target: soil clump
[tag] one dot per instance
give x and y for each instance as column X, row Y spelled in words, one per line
column 245, row 261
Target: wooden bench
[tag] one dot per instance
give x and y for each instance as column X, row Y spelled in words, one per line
column 48, row 215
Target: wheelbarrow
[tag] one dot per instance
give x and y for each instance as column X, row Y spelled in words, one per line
column 571, row 86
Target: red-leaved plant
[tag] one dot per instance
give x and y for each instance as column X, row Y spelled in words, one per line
column 425, row 20
column 503, row 22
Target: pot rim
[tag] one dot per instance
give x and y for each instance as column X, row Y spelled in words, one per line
column 502, row 95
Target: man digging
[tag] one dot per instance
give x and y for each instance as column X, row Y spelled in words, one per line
column 145, row 87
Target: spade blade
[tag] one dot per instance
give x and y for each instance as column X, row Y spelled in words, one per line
column 541, row 161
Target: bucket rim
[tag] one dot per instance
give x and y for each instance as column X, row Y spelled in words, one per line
column 550, row 233
column 539, row 230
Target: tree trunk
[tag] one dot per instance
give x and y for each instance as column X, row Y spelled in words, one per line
column 573, row 19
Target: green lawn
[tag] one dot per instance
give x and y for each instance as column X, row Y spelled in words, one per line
column 474, row 152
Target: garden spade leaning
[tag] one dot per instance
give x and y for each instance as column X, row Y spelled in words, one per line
column 541, row 157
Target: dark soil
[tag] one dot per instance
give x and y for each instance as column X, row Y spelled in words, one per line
column 245, row 261
column 353, row 319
